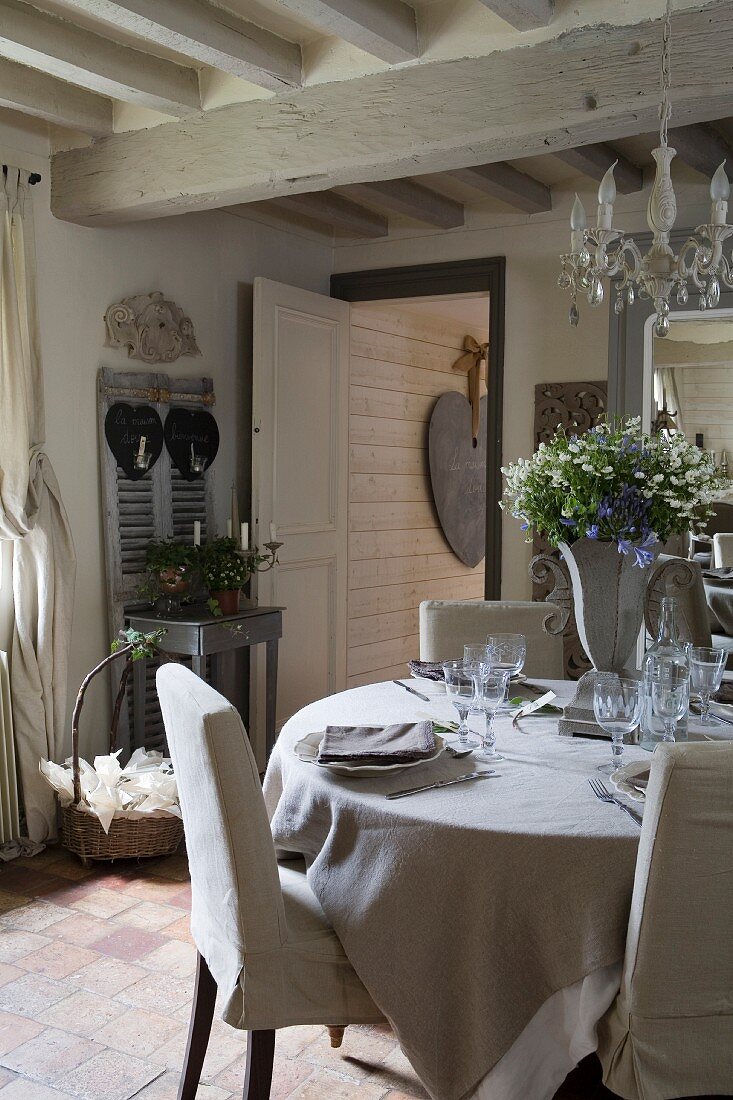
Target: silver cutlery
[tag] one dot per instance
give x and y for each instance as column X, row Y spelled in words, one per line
column 443, row 783
column 713, row 714
column 601, row 791
column 412, row 691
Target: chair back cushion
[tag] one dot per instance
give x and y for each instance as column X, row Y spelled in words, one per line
column 670, row 1030
column 237, row 903
column 447, row 625
column 722, row 550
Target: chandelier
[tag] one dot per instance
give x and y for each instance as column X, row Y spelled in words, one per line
column 602, row 252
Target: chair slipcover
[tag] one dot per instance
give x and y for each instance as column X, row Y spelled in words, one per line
column 258, row 925
column 447, row 625
column 722, row 550
column 669, row 1032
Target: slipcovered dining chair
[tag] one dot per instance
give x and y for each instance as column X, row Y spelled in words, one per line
column 263, row 940
column 447, row 625
column 669, row 1033
column 723, row 550
column 678, row 577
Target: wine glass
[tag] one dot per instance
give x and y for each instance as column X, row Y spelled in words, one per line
column 706, row 673
column 492, row 688
column 508, row 652
column 460, row 690
column 670, row 689
column 477, row 660
column 617, row 705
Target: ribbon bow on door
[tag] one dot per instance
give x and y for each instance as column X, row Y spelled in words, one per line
column 475, row 354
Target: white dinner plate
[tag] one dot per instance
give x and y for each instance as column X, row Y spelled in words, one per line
column 307, row 750
column 620, row 779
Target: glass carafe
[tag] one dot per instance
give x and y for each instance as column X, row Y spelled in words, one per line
column 667, row 645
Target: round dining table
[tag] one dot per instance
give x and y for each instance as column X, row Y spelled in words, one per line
column 487, row 919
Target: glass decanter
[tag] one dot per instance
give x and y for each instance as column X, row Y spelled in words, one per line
column 668, row 646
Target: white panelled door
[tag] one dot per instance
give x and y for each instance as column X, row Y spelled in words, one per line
column 300, row 466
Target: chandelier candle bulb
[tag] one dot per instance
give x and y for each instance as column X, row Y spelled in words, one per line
column 719, row 194
column 606, row 199
column 578, row 223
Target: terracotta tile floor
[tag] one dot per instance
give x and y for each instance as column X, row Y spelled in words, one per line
column 96, row 977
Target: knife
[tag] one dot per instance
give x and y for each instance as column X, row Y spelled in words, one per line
column 443, row 783
column 713, row 714
column 412, row 691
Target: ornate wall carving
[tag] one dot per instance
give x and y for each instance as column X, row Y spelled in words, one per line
column 151, row 327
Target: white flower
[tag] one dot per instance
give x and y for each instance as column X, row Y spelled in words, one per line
column 587, row 466
column 640, row 474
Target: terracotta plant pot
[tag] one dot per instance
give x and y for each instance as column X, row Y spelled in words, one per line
column 228, row 601
column 173, row 582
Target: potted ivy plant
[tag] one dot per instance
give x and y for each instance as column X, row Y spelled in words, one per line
column 170, row 566
column 225, row 569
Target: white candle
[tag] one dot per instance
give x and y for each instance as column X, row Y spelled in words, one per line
column 244, row 533
column 197, row 532
column 719, row 195
column 606, row 199
column 273, row 533
column 229, row 528
column 141, row 448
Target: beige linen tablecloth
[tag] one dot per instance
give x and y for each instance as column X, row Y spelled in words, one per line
column 462, row 910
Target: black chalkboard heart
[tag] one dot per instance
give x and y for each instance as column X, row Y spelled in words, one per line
column 124, row 426
column 192, row 439
column 458, row 475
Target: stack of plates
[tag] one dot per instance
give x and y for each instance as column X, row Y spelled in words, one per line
column 307, row 750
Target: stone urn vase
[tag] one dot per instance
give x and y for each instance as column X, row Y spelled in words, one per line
column 607, row 591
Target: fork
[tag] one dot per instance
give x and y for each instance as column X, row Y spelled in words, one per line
column 601, row 791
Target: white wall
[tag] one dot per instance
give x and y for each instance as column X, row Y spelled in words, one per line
column 540, row 345
column 206, row 263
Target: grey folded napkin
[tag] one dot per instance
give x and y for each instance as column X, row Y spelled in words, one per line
column 401, row 743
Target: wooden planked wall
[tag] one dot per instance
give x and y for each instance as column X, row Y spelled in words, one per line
column 706, row 395
column 398, row 556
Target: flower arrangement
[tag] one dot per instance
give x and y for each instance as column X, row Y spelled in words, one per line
column 616, row 484
column 224, row 566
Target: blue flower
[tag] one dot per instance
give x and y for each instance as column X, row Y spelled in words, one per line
column 524, row 527
column 567, row 522
column 592, row 532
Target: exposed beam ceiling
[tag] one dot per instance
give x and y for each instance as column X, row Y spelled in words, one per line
column 595, row 160
column 525, row 15
column 384, row 28
column 338, row 212
column 416, row 119
column 700, row 147
column 45, row 97
column 61, row 49
column 504, row 182
column 206, row 34
column 412, row 200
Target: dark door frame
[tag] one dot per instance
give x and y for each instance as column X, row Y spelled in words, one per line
column 455, row 277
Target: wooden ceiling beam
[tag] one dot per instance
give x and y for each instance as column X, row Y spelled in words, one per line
column 207, row 34
column 595, row 160
column 415, row 119
column 336, row 211
column 701, row 147
column 504, row 182
column 59, row 48
column 43, row 96
column 523, row 15
column 412, row 200
column 384, row 28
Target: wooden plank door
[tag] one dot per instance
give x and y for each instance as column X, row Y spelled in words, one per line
column 300, row 394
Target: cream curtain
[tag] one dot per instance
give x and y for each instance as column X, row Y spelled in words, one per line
column 31, row 514
column 666, row 394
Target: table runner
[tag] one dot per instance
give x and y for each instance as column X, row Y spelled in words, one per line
column 462, row 910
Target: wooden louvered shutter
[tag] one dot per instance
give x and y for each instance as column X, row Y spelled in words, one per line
column 162, row 504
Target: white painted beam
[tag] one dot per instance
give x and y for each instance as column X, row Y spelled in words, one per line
column 59, row 48
column 595, row 160
column 45, row 97
column 206, row 34
column 384, row 28
column 411, row 199
column 504, row 182
column 417, row 119
column 524, row 15
column 336, row 211
column 701, row 148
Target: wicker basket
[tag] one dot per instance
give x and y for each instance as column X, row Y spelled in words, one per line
column 154, row 834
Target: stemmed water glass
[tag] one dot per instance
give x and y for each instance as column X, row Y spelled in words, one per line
column 507, row 652
column 670, row 689
column 617, row 704
column 492, row 688
column 477, row 659
column 706, row 674
column 459, row 686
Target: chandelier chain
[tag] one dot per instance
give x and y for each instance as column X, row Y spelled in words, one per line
column 665, row 107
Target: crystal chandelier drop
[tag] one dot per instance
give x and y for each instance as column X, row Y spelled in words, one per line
column 602, row 252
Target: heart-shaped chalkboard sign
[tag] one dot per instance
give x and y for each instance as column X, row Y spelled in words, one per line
column 458, row 475
column 192, row 439
column 125, row 426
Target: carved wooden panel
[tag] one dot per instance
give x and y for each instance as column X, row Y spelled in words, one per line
column 577, row 407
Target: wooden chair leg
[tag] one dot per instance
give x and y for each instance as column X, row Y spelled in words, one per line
column 258, row 1071
column 199, row 1029
column 336, row 1035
